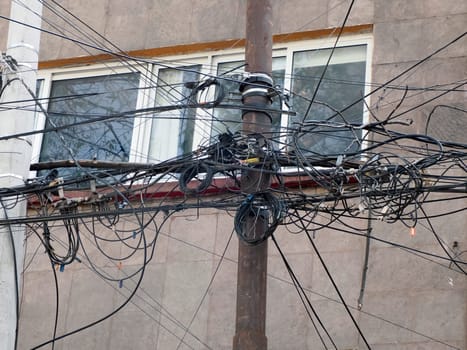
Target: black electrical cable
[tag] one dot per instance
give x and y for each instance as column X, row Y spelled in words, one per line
column 93, row 231
column 193, row 171
column 341, row 29
column 364, row 234
column 208, row 288
column 261, row 207
column 336, row 288
column 104, row 317
column 8, row 82
column 198, row 88
column 127, row 276
column 138, row 270
column 413, row 66
column 57, row 304
column 301, row 293
column 373, row 315
column 168, row 315
column 401, row 193
column 148, row 258
column 432, row 229
column 421, row 334
column 72, row 230
column 365, row 262
column 138, row 62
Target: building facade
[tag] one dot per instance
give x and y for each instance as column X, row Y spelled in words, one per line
column 405, row 59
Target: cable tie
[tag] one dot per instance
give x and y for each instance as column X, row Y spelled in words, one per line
column 255, row 91
column 61, row 192
column 62, row 267
column 92, row 184
column 119, row 265
column 385, row 210
column 412, row 231
column 361, row 207
column 339, row 160
column 255, row 79
column 120, row 284
column 253, row 160
column 134, row 234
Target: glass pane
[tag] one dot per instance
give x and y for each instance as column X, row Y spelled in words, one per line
column 82, row 99
column 172, row 90
column 231, row 119
column 342, row 85
column 39, row 83
column 77, row 100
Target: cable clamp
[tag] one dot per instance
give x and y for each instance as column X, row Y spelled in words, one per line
column 256, row 91
column 248, row 198
column 255, row 108
column 59, row 183
column 256, row 79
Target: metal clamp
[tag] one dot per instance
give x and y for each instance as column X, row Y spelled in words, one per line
column 256, row 79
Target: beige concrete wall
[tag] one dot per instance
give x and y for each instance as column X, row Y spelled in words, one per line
column 144, row 24
column 4, row 11
column 407, row 298
column 406, row 32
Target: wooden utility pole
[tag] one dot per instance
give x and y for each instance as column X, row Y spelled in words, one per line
column 250, row 325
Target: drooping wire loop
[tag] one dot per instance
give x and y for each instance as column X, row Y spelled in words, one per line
column 258, row 216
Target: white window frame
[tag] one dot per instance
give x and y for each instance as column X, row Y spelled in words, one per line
column 139, row 151
column 50, row 75
column 316, row 44
column 166, row 147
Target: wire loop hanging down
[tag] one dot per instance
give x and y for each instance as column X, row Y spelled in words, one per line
column 196, row 178
column 261, row 207
column 72, row 242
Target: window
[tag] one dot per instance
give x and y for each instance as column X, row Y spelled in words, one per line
column 79, row 100
column 87, row 93
column 343, row 84
column 172, row 89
